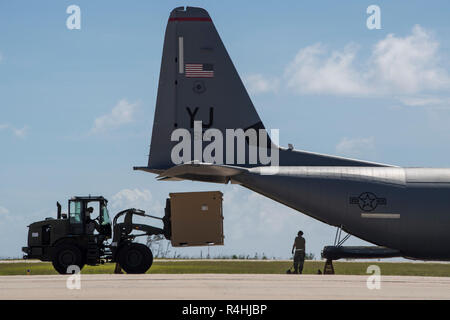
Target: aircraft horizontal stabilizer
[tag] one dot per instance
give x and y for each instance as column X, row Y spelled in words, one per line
column 169, row 179
column 201, row 171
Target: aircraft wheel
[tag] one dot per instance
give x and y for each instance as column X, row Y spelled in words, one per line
column 135, row 258
column 66, row 255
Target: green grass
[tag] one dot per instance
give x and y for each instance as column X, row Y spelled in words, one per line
column 232, row 266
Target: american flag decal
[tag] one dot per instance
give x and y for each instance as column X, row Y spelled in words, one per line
column 199, row 70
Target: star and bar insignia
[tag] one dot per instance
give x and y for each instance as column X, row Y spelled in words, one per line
column 368, row 201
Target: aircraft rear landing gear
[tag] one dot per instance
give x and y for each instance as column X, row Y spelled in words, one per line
column 337, row 251
column 338, row 242
column 328, row 268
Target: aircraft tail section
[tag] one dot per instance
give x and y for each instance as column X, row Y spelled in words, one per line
column 201, row 94
column 198, row 82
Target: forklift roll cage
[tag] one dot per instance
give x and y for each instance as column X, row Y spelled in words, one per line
column 77, row 207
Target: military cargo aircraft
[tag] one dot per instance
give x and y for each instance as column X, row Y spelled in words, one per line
column 403, row 211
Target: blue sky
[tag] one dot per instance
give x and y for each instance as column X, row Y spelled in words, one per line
column 313, row 69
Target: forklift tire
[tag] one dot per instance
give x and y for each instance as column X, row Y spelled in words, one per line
column 135, row 258
column 66, row 255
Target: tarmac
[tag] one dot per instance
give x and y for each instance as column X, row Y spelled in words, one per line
column 221, row 287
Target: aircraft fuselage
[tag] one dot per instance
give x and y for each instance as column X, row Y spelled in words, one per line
column 407, row 209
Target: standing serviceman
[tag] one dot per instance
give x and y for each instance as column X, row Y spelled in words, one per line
column 299, row 255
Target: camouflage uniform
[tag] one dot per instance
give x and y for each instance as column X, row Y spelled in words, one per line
column 299, row 256
column 91, row 226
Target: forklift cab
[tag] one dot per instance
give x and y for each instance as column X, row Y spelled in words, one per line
column 78, row 215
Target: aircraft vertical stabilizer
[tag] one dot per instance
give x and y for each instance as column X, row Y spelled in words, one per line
column 198, row 82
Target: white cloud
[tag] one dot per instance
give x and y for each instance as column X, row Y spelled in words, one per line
column 3, row 211
column 248, row 214
column 4, row 216
column 131, row 196
column 122, row 113
column 257, row 83
column 20, row 133
column 397, row 65
column 136, row 198
column 426, row 101
column 312, row 71
column 409, row 64
column 356, row 147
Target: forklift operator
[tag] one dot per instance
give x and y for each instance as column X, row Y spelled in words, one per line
column 91, row 224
